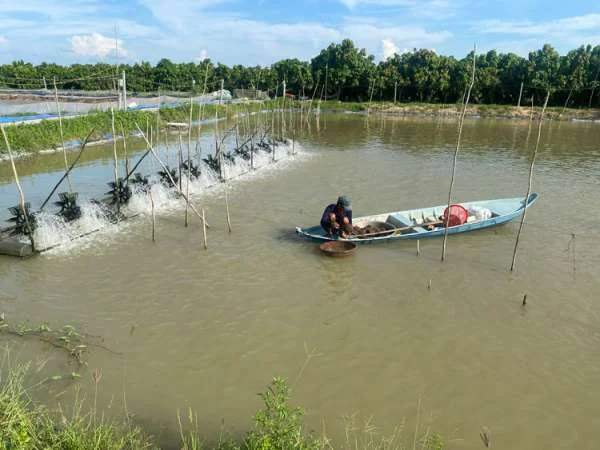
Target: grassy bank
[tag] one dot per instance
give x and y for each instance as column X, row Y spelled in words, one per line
column 45, row 135
column 278, row 426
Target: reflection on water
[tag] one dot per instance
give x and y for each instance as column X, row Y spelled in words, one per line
column 212, row 327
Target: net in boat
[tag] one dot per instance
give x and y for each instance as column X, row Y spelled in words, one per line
column 457, row 215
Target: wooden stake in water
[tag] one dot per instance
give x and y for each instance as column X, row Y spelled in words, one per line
column 227, row 208
column 62, row 137
column 116, row 171
column 124, row 148
column 180, row 158
column 418, row 247
column 531, row 168
column 204, row 230
column 460, row 127
column 187, row 188
column 153, row 217
column 167, row 172
column 520, row 95
column 21, row 195
column 371, row 97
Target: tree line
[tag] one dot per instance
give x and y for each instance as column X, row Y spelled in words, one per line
column 344, row 72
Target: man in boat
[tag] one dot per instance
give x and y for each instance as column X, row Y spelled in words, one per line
column 337, row 218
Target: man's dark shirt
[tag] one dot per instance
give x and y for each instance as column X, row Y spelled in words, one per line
column 339, row 217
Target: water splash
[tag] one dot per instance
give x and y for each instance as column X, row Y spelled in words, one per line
column 64, row 237
column 53, row 231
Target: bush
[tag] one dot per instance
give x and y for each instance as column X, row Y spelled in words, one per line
column 279, row 426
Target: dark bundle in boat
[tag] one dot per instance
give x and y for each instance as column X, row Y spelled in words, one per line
column 372, row 228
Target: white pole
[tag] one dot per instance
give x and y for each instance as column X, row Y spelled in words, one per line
column 62, row 137
column 124, row 91
column 520, row 94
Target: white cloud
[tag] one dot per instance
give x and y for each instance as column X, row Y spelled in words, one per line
column 3, row 40
column 352, row 4
column 526, row 36
column 96, row 45
column 371, row 36
column 56, row 9
column 528, row 28
column 431, row 9
column 388, row 48
column 181, row 27
column 203, row 55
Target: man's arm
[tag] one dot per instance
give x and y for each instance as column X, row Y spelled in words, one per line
column 325, row 220
column 349, row 215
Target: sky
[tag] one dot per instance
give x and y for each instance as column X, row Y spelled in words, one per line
column 252, row 32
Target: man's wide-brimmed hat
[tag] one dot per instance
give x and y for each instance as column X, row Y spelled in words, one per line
column 344, row 201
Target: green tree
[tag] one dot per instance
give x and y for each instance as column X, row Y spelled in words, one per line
column 344, row 68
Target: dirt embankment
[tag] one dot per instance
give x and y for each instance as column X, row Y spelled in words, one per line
column 491, row 111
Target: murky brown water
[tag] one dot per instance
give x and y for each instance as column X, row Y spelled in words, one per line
column 213, row 327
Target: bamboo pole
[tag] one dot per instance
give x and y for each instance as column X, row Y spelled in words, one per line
column 157, row 119
column 153, row 217
column 116, row 171
column 62, row 137
column 371, row 97
column 204, row 230
column 520, row 94
column 167, row 172
column 531, row 168
column 187, row 188
column 227, row 209
column 594, row 87
column 201, row 109
column 18, row 184
column 85, row 141
column 309, row 108
column 180, row 159
column 125, row 150
column 460, row 127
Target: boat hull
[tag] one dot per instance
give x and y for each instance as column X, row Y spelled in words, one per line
column 503, row 210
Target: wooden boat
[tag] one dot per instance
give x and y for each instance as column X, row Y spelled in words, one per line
column 424, row 223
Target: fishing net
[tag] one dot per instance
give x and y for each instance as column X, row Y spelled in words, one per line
column 456, row 216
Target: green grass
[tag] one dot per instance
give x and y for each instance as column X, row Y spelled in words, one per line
column 27, row 425
column 45, row 135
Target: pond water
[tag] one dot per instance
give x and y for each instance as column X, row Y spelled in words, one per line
column 208, row 329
